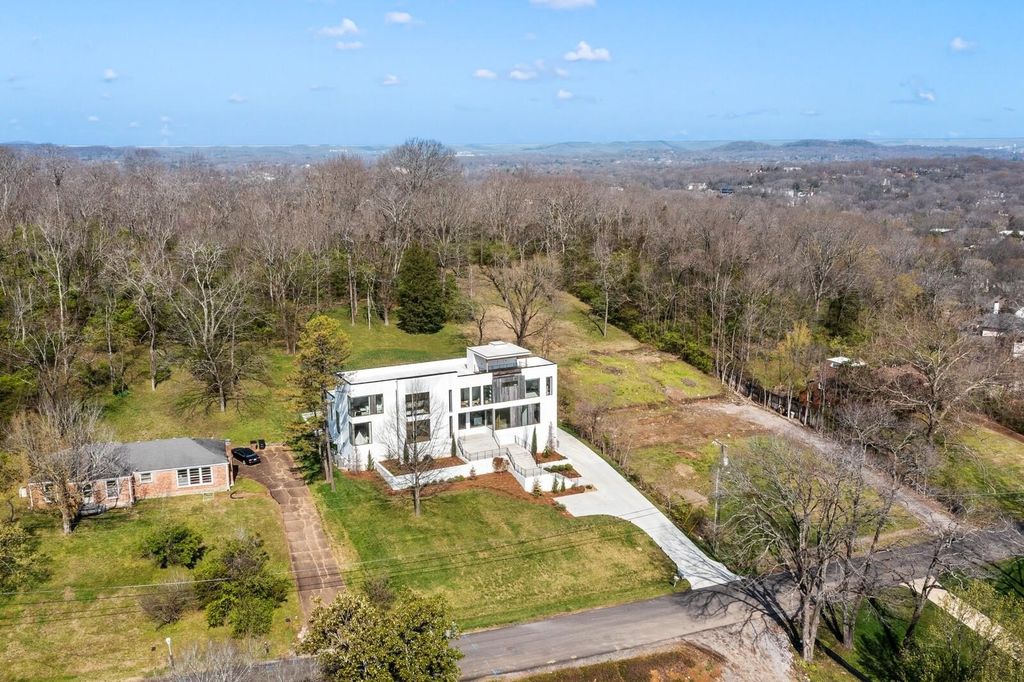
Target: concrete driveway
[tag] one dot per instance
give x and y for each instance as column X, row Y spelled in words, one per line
column 314, row 566
column 615, row 496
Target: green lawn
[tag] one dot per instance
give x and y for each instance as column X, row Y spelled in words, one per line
column 495, row 558
column 143, row 414
column 987, row 466
column 76, row 624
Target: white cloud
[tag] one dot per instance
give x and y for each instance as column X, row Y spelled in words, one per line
column 810, row 112
column 354, row 45
column 564, row 4
column 110, row 75
column 346, row 27
column 564, row 94
column 926, row 95
column 959, row 44
column 93, row 119
column 390, row 79
column 561, row 73
column 235, row 98
column 585, row 53
column 165, row 118
column 133, row 124
column 522, row 75
column 486, row 74
column 398, row 18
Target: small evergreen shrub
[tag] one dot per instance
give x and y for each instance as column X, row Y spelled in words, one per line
column 173, row 544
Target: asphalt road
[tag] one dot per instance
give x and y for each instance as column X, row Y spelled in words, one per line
column 599, row 632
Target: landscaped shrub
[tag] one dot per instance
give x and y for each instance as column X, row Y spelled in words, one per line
column 537, row 490
column 173, row 544
column 533, row 443
column 231, row 578
column 251, row 616
column 472, row 473
column 167, row 603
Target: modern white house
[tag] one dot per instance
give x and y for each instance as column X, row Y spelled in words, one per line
column 486, row 406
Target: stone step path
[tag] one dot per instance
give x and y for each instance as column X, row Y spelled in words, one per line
column 314, row 566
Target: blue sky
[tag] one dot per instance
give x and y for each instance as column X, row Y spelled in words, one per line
column 185, row 72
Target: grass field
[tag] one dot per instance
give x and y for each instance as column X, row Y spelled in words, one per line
column 495, row 558
column 78, row 624
column 987, row 465
column 268, row 410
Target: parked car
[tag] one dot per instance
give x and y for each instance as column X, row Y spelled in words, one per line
column 247, row 455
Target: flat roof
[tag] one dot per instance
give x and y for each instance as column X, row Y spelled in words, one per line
column 410, row 371
column 499, row 349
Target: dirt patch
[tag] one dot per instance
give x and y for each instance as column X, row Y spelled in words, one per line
column 681, row 662
column 754, row 652
column 548, row 456
column 690, row 427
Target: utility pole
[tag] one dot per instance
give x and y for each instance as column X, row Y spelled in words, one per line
column 718, row 476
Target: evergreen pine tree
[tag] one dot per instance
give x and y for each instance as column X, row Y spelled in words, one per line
column 421, row 298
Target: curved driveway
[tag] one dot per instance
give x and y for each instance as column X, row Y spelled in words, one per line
column 615, row 496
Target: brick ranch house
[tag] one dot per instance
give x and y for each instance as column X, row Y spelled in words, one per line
column 153, row 468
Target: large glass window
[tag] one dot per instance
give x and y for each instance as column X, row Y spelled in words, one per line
column 488, row 394
column 548, row 386
column 417, row 431
column 417, row 404
column 476, row 396
column 362, row 433
column 462, row 421
column 464, row 397
column 533, row 388
column 366, row 405
column 480, row 418
column 502, row 418
column 508, row 389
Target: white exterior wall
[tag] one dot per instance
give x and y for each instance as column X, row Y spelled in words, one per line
column 445, row 394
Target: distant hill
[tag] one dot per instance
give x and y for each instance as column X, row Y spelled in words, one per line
column 683, row 152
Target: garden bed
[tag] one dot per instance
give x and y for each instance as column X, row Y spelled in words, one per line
column 548, row 456
column 397, row 468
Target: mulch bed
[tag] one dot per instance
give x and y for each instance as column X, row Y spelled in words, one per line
column 397, row 468
column 542, row 458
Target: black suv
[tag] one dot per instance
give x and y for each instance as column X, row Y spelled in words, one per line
column 247, row 455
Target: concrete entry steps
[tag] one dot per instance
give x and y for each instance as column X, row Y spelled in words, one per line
column 314, row 567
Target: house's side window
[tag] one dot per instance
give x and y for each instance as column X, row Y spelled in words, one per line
column 464, row 397
column 146, row 477
column 113, row 489
column 548, row 386
column 194, row 476
column 533, row 388
column 48, row 492
column 87, row 492
column 362, row 433
column 417, row 404
column 366, row 405
column 488, row 394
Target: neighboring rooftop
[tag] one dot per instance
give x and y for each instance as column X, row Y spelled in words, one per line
column 172, row 453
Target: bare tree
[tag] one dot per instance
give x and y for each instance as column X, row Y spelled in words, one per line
column 526, row 290
column 788, row 509
column 66, row 450
column 413, row 438
column 211, row 306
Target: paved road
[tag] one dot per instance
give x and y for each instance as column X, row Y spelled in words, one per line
column 599, row 632
column 615, row 496
column 314, row 566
